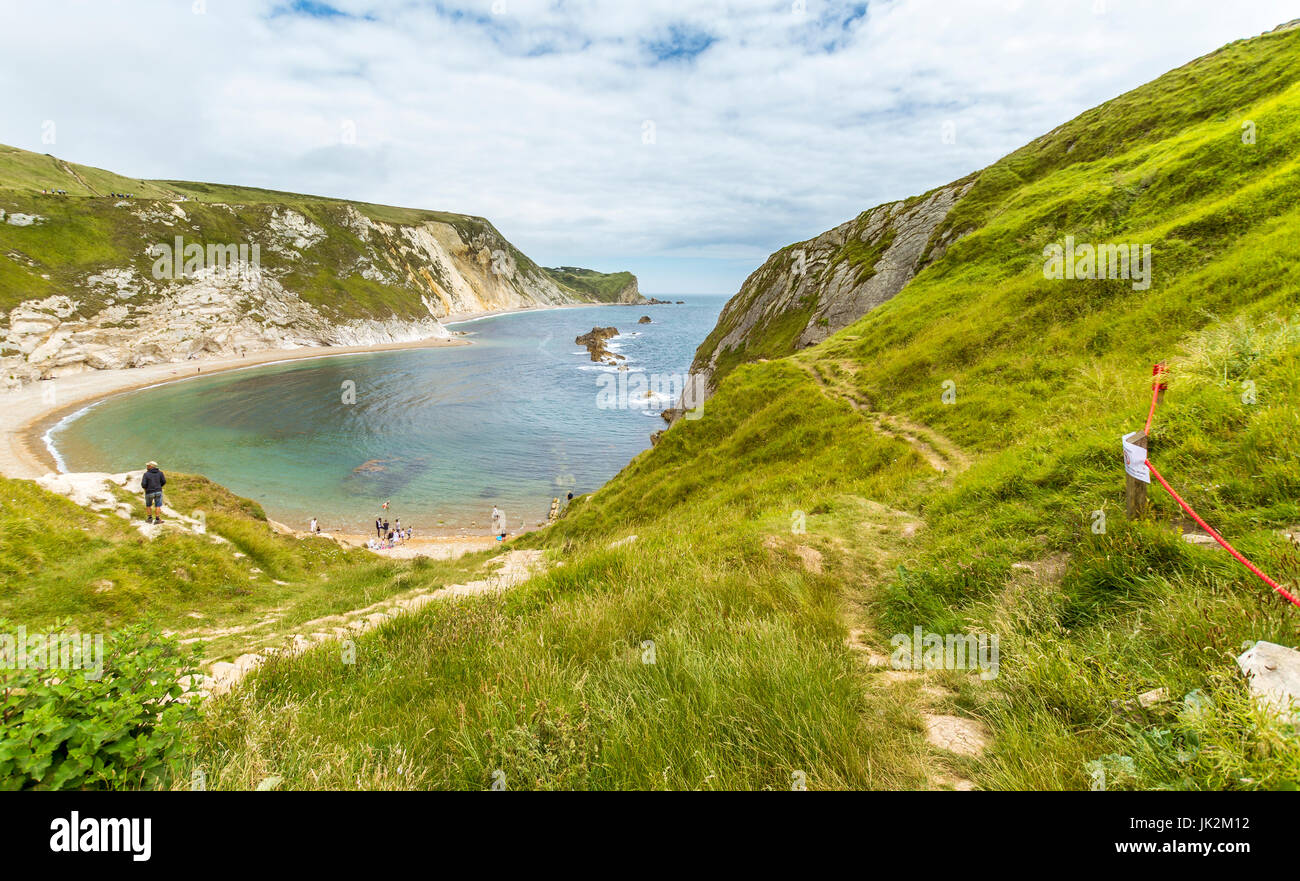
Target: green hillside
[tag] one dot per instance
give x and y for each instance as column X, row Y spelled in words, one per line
column 1133, row 157
column 602, row 287
column 710, row 617
column 87, row 230
column 24, row 170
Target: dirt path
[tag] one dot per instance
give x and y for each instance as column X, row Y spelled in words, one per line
column 953, row 738
column 942, row 454
column 70, row 170
column 514, row 567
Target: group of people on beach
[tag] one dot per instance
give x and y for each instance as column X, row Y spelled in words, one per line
column 388, row 535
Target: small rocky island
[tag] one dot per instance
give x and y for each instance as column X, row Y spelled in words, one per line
column 595, row 343
column 644, row 319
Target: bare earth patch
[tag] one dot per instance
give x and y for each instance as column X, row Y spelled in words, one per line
column 810, row 558
column 956, row 734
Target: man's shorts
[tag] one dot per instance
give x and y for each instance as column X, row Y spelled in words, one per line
column 153, row 500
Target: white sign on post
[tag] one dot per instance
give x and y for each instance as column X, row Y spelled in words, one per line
column 1135, row 461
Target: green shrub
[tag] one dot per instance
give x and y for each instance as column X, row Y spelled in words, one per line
column 115, row 726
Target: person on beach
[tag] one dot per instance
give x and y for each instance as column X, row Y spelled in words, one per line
column 379, row 528
column 152, row 483
column 314, row 529
column 498, row 523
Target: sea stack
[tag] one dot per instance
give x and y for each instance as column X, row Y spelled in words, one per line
column 595, row 343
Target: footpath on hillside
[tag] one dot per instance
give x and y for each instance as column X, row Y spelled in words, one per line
column 942, row 454
column 250, row 644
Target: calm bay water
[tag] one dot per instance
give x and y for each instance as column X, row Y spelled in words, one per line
column 440, row 434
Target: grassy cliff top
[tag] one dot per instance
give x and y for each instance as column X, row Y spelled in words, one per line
column 605, row 287
column 28, row 171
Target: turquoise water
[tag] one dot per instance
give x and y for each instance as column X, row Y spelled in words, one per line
column 441, row 434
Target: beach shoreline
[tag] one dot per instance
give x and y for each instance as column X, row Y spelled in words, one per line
column 433, row 546
column 469, row 317
column 30, row 412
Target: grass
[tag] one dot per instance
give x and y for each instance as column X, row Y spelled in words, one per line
column 549, row 684
column 21, row 169
column 602, row 287
column 61, row 562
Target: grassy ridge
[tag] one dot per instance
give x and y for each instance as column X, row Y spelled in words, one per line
column 24, row 170
column 60, row 562
column 602, row 287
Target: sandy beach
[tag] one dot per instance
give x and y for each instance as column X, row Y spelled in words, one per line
column 437, row 547
column 468, row 317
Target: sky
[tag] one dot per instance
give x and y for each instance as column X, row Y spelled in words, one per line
column 684, row 140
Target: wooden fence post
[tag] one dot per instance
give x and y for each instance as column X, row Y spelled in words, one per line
column 1135, row 491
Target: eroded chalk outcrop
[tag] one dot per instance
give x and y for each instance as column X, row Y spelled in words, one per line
column 824, row 284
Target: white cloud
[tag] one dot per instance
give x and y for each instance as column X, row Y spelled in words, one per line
column 768, row 125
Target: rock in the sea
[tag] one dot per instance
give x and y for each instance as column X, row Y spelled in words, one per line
column 644, row 319
column 1274, row 674
column 595, row 343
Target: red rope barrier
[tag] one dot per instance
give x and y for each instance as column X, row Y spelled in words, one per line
column 1227, row 547
column 1156, row 388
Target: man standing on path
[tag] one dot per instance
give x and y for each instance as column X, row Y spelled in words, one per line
column 152, row 482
